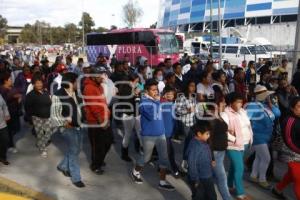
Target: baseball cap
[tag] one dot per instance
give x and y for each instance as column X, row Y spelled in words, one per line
column 61, row 68
column 99, row 70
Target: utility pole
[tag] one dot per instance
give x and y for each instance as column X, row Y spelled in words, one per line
column 211, row 29
column 220, row 33
column 83, row 26
column 297, row 42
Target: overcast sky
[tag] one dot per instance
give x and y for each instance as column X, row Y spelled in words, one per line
column 59, row 12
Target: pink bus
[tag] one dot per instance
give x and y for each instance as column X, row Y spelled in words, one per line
column 154, row 44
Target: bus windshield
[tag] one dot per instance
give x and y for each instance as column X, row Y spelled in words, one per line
column 257, row 50
column 269, row 47
column 168, row 43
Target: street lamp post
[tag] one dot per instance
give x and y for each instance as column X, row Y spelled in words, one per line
column 211, row 28
column 297, row 42
column 220, row 33
column 83, row 26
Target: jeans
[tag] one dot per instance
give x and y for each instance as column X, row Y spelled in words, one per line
column 204, row 191
column 236, row 171
column 220, row 175
column 189, row 136
column 261, row 162
column 149, row 142
column 130, row 124
column 73, row 138
column 171, row 155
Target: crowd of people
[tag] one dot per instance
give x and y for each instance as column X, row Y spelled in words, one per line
column 249, row 115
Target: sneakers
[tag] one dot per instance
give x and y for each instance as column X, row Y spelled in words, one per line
column 98, row 171
column 265, row 185
column 4, row 162
column 136, row 177
column 184, row 166
column 166, row 186
column 243, row 197
column 253, row 179
column 278, row 194
column 12, row 150
column 65, row 173
column 176, row 174
column 44, row 154
column 79, row 184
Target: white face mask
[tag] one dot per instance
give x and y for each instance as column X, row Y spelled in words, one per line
column 104, row 78
column 160, row 78
column 274, row 86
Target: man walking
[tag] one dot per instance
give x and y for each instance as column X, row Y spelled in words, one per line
column 98, row 118
column 66, row 115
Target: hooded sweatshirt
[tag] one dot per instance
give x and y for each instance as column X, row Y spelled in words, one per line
column 3, row 113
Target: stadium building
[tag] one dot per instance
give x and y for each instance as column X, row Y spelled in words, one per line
column 274, row 20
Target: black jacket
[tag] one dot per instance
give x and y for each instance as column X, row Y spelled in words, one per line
column 179, row 84
column 218, row 139
column 296, row 81
column 290, row 135
column 129, row 104
column 38, row 104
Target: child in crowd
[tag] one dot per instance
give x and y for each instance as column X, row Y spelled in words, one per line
column 153, row 135
column 200, row 164
column 168, row 109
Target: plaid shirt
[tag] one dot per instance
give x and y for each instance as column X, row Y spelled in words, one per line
column 182, row 106
column 56, row 112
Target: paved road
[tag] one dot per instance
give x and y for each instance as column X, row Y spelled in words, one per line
column 29, row 169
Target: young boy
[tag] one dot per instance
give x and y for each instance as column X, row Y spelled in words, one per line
column 153, row 135
column 200, row 164
column 167, row 103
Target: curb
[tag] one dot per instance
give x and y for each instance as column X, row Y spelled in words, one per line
column 18, row 189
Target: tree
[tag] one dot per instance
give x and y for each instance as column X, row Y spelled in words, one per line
column 59, row 35
column 101, row 29
column 28, row 34
column 71, row 32
column 113, row 27
column 131, row 13
column 87, row 21
column 39, row 32
column 3, row 26
column 153, row 25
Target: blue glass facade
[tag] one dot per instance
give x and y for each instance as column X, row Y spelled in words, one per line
column 178, row 12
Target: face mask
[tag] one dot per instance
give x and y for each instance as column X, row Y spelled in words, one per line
column 274, row 86
column 160, row 78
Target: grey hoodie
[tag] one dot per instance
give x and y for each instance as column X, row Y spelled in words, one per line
column 3, row 113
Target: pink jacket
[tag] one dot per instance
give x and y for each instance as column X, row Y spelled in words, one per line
column 235, row 129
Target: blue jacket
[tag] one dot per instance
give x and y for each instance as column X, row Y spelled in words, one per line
column 151, row 117
column 199, row 160
column 262, row 121
column 168, row 117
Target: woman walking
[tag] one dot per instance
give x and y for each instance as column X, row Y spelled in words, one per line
column 291, row 149
column 4, row 117
column 262, row 114
column 240, row 137
column 39, row 98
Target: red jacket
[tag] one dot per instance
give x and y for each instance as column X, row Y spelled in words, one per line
column 95, row 102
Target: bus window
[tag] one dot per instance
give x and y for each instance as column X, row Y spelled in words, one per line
column 204, row 47
column 232, row 50
column 215, row 49
column 244, row 51
column 168, row 43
